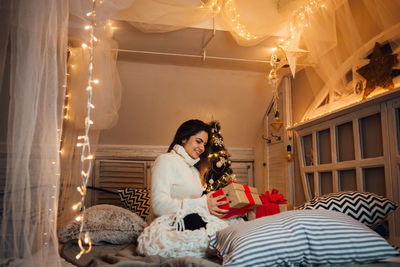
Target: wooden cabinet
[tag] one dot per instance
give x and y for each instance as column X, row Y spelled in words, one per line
column 356, row 148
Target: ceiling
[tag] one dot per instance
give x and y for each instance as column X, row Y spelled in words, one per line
column 184, row 47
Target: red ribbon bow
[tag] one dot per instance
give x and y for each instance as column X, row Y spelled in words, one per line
column 274, row 197
column 270, row 203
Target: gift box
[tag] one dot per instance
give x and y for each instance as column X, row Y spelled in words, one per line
column 242, row 198
column 251, row 215
column 238, row 197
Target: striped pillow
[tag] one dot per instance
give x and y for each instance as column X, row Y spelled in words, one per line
column 367, row 208
column 297, row 237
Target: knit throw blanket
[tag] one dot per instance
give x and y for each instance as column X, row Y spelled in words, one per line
column 166, row 236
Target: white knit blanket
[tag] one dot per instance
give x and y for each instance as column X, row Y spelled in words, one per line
column 162, row 237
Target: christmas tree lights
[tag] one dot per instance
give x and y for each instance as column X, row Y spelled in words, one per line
column 220, row 172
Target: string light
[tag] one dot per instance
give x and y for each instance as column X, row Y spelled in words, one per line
column 299, row 20
column 213, row 5
column 84, row 142
column 76, row 206
column 240, row 28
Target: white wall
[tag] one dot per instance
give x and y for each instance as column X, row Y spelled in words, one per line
column 156, row 99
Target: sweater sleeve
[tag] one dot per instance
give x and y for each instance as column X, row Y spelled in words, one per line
column 162, row 180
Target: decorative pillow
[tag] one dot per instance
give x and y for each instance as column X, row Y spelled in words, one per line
column 300, row 237
column 368, row 208
column 106, row 223
column 136, row 200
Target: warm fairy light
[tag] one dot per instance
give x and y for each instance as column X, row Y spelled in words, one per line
column 96, row 81
column 76, row 206
column 78, row 218
column 86, row 239
column 240, row 27
column 79, row 255
column 89, row 157
column 86, row 156
column 298, row 21
column 81, row 190
column 213, row 5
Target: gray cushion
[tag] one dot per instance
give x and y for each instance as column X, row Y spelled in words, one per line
column 106, row 223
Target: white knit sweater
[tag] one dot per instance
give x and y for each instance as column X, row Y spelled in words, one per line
column 176, row 183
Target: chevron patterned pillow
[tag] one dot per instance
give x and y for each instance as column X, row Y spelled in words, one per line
column 368, row 208
column 136, row 200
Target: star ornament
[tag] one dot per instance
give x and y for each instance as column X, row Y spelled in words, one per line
column 378, row 72
column 291, row 55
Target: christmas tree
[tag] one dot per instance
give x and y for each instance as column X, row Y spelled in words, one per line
column 220, row 172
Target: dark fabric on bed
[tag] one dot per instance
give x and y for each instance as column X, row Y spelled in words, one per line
column 194, row 221
column 69, row 250
column 126, row 256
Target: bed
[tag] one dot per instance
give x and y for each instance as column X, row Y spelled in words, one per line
column 308, row 236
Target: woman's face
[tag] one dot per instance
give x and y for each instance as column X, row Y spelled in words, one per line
column 194, row 146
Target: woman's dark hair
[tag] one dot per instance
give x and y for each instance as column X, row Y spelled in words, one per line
column 188, row 129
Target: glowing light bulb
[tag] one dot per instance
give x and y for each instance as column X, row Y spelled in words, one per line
column 87, row 239
column 89, row 157
column 81, row 189
column 84, row 45
column 76, row 206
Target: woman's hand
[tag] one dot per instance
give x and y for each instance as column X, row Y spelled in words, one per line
column 213, row 203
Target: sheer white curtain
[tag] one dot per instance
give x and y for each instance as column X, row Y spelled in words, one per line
column 337, row 37
column 106, row 99
column 37, row 41
column 106, row 95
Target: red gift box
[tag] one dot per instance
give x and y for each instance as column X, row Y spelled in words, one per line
column 270, row 203
column 242, row 199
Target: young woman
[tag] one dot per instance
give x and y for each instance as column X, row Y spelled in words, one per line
column 176, row 182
